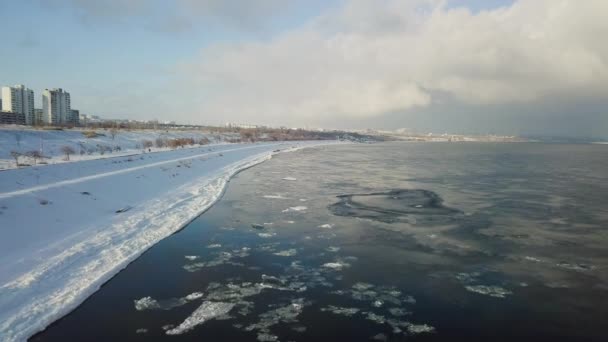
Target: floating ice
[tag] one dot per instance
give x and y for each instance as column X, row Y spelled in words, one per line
column 194, row 295
column 146, row 303
column 337, row 265
column 296, row 208
column 214, row 245
column 285, row 314
column 191, row 257
column 375, row 317
column 529, row 258
column 333, row 249
column 398, row 312
column 290, row 178
column 290, row 222
column 299, row 328
column 267, row 235
column 492, row 291
column 378, row 303
column 326, row 226
column 205, row 312
column 274, row 197
column 287, row 253
column 141, row 331
column 221, row 259
column 149, row 303
column 575, row 267
column 341, row 310
column 420, row 328
column 379, row 337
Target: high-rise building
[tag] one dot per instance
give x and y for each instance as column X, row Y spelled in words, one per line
column 56, row 106
column 19, row 100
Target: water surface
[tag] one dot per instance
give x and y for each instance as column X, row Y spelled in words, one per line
column 396, row 241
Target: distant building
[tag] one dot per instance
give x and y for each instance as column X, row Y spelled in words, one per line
column 19, row 100
column 74, row 117
column 12, row 118
column 37, row 116
column 56, row 106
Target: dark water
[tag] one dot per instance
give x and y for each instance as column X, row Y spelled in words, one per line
column 417, row 241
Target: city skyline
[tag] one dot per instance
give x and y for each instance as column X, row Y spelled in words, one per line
column 506, row 67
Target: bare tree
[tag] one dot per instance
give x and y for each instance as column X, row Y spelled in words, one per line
column 35, row 154
column 113, row 133
column 16, row 155
column 147, row 144
column 67, row 150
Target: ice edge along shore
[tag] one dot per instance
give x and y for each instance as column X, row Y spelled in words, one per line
column 57, row 284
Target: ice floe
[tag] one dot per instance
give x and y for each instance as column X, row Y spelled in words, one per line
column 214, row 245
column 326, row 226
column 298, row 208
column 205, row 312
column 492, row 291
column 267, row 235
column 282, row 314
column 191, row 257
column 287, row 252
column 341, row 310
column 333, row 249
column 336, row 265
column 274, row 197
column 149, row 303
column 290, row 178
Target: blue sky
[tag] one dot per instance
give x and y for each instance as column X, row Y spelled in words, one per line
column 156, row 59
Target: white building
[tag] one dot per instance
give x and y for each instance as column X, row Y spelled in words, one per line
column 19, row 100
column 56, row 107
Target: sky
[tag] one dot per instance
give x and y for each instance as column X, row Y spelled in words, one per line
column 523, row 67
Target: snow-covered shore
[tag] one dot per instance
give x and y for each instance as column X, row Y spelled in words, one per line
column 68, row 228
column 99, row 144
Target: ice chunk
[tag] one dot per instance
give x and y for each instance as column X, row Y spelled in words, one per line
column 290, row 179
column 398, row 312
column 194, row 295
column 326, row 226
column 341, row 310
column 214, row 245
column 287, row 253
column 146, row 303
column 266, row 235
column 141, row 331
column 420, row 328
column 492, row 291
column 191, row 257
column 296, row 209
column 333, row 249
column 205, row 312
column 274, row 197
column 337, row 265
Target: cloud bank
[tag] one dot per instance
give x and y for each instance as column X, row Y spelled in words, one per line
column 363, row 59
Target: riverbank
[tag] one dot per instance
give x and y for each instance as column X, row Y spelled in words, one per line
column 68, row 228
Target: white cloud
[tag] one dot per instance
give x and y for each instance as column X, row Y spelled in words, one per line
column 369, row 57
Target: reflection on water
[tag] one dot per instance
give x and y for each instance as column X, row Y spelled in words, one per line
column 383, row 242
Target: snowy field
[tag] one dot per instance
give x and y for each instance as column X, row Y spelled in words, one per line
column 67, row 228
column 101, row 144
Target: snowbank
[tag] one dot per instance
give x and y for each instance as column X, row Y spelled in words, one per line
column 67, row 228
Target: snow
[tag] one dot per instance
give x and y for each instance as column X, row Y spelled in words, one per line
column 50, row 143
column 63, row 235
